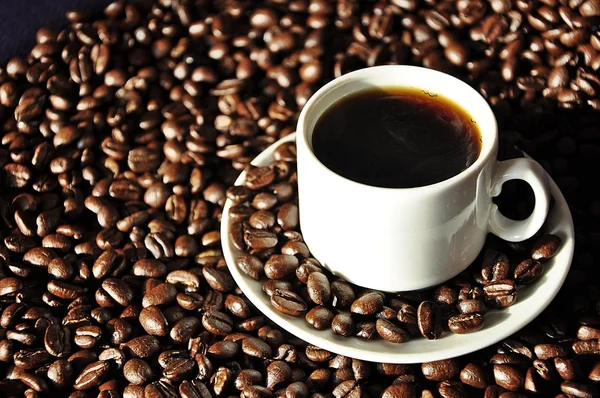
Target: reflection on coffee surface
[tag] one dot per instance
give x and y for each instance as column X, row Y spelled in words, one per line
column 396, row 137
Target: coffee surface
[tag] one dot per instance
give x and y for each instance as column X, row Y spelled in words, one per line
column 396, row 138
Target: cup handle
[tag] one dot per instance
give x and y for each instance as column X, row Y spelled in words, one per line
column 532, row 173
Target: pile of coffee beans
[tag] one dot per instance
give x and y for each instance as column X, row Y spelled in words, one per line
column 121, row 133
column 265, row 228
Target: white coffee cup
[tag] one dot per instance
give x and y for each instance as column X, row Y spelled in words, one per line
column 398, row 239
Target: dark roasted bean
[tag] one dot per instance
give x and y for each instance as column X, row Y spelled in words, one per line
column 368, row 304
column 288, row 302
column 508, row 377
column 256, row 348
column 546, row 351
column 280, row 266
column 250, row 265
column 528, row 271
column 441, row 370
column 319, row 317
column 545, row 247
column 429, row 320
column 391, row 332
column 57, row 340
column 92, row 376
column 318, row 288
column 474, row 375
column 465, row 323
column 501, row 293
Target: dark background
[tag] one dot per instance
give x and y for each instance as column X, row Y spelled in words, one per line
column 20, row 19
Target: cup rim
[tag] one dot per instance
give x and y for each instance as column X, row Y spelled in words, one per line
column 491, row 132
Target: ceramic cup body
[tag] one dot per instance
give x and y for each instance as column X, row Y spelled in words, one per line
column 398, row 239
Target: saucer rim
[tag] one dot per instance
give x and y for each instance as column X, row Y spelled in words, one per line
column 450, row 345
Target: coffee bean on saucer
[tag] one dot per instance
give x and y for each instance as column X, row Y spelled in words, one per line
column 367, row 304
column 545, row 247
column 288, row 302
column 465, row 323
column 318, row 288
column 495, row 266
column 500, row 293
column 528, row 271
column 390, row 332
column 343, row 324
column 429, row 320
column 471, row 307
column 320, row 317
column 280, row 266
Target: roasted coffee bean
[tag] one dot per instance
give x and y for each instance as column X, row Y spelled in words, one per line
column 118, row 290
column 586, row 347
column 306, row 268
column 247, row 377
column 445, row 295
column 259, row 177
column 578, row 389
column 465, row 323
column 30, row 359
column 288, row 302
column 318, row 288
column 509, row 359
column 219, row 280
column 471, row 306
column 429, row 320
column 287, row 216
column 261, row 219
column 495, row 266
column 441, row 370
column 368, row 304
column 546, row 351
column 92, row 376
column 217, row 323
column 193, row 389
column 567, row 369
column 280, row 266
column 391, row 332
column 501, row 293
column 545, row 247
column 508, row 377
column 57, row 340
column 137, row 371
column 250, row 265
column 87, row 336
column 258, row 239
column 320, row 317
column 153, row 321
column 594, row 374
column 517, row 347
column 474, row 375
column 184, row 328
column 179, row 369
column 256, row 348
column 161, row 294
column 278, row 374
column 142, row 347
column 61, row 373
column 343, row 324
column 528, row 271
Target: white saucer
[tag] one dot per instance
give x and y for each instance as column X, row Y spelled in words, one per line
column 499, row 324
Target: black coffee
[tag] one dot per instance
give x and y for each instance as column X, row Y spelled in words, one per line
column 396, row 138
